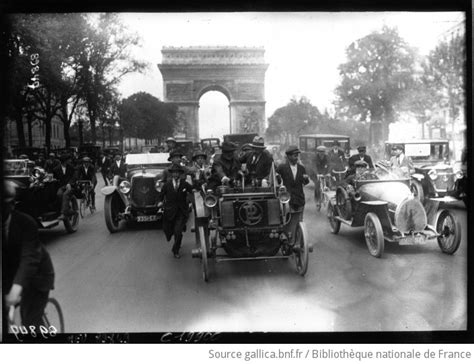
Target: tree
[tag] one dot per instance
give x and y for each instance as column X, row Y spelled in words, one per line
column 144, row 116
column 374, row 79
column 297, row 117
column 105, row 60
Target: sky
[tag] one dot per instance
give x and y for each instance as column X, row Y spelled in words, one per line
column 303, row 50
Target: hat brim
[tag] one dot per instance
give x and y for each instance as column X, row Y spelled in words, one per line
column 297, row 151
column 258, row 146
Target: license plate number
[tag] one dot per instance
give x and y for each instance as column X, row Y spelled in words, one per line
column 147, row 218
column 415, row 240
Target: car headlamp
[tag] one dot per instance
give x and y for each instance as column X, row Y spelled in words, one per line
column 124, row 187
column 283, row 195
column 433, row 174
column 459, row 175
column 210, row 200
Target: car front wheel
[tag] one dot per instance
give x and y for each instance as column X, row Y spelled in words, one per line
column 374, row 235
column 112, row 209
column 449, row 229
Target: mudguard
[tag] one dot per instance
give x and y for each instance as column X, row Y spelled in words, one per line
column 108, row 190
column 418, row 176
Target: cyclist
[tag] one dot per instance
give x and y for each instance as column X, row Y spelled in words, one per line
column 28, row 273
column 66, row 175
column 321, row 167
column 86, row 172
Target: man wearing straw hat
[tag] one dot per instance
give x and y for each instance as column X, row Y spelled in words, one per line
column 258, row 162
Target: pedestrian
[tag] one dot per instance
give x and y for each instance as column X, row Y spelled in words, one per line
column 28, row 273
column 175, row 157
column 104, row 163
column 51, row 163
column 117, row 169
column 294, row 178
column 174, row 199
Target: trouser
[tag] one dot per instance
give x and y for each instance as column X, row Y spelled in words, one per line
column 296, row 218
column 64, row 195
column 104, row 176
column 33, row 303
column 175, row 228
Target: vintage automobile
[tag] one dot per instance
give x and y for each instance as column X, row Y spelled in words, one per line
column 239, row 222
column 186, row 147
column 384, row 205
column 36, row 195
column 433, row 175
column 309, row 142
column 240, row 139
column 135, row 199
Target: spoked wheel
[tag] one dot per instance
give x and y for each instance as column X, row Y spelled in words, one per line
column 417, row 189
column 450, row 232
column 71, row 222
column 112, row 206
column 53, row 316
column 82, row 207
column 318, row 195
column 324, row 201
column 374, row 235
column 301, row 249
column 204, row 244
column 333, row 222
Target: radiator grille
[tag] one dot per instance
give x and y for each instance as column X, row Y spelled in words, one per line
column 143, row 193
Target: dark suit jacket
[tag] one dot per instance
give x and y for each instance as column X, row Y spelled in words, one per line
column 223, row 167
column 104, row 165
column 175, row 201
column 356, row 157
column 294, row 185
column 25, row 261
column 69, row 177
column 116, row 170
column 259, row 165
column 89, row 176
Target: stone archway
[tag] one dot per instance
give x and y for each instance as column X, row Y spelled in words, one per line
column 237, row 72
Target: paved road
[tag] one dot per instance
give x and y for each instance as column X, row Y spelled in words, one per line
column 130, row 282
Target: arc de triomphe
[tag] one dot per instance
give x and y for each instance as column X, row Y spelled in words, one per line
column 237, row 72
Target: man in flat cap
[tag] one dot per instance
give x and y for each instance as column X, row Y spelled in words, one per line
column 170, row 144
column 226, row 167
column 66, row 175
column 86, row 172
column 361, row 156
column 174, row 199
column 294, row 178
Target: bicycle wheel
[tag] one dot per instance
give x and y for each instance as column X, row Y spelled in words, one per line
column 53, row 315
column 89, row 203
column 82, row 207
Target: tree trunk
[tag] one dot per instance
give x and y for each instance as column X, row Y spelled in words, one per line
column 29, row 120
column 20, row 129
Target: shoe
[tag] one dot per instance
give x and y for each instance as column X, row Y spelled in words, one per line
column 177, row 256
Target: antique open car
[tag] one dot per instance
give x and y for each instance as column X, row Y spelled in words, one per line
column 388, row 211
column 36, row 195
column 242, row 222
column 135, row 198
column 433, row 175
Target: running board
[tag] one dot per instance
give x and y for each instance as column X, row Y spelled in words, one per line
column 225, row 259
column 49, row 224
column 344, row 221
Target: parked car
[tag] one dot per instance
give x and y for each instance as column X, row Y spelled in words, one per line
column 247, row 223
column 29, row 151
column 36, row 195
column 389, row 212
column 136, row 196
column 433, row 175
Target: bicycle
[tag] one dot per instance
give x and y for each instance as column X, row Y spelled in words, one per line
column 321, row 188
column 53, row 319
column 86, row 197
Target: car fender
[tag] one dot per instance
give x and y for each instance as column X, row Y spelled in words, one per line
column 108, row 190
column 418, row 176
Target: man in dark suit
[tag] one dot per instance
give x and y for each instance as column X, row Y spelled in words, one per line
column 118, row 169
column 66, row 175
column 362, row 156
column 86, row 172
column 258, row 162
column 28, row 273
column 294, row 177
column 226, row 168
column 104, row 164
column 174, row 199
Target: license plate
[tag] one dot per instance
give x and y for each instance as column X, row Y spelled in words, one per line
column 413, row 240
column 147, row 218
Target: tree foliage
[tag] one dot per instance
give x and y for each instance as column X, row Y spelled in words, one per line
column 146, row 117
column 378, row 72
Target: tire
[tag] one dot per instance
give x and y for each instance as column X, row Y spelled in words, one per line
column 71, row 222
column 417, row 189
column 343, row 203
column 333, row 222
column 450, row 229
column 204, row 244
column 374, row 235
column 112, row 206
column 53, row 315
column 318, row 195
column 82, row 207
column 301, row 249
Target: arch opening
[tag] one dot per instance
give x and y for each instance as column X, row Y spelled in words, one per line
column 214, row 115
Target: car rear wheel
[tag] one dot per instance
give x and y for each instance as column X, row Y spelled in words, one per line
column 71, row 222
column 450, row 232
column 374, row 235
column 333, row 222
column 111, row 212
column 301, row 249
